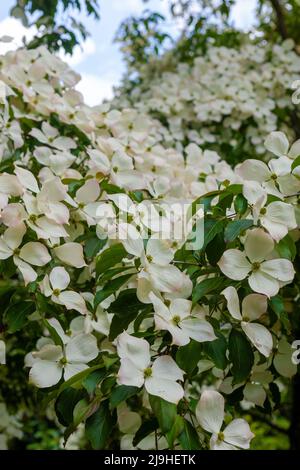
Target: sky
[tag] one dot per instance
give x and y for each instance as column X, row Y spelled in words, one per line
column 99, row 60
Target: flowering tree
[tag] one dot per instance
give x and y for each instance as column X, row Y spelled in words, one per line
column 145, row 337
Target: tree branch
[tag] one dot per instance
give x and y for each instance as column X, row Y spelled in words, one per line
column 279, row 11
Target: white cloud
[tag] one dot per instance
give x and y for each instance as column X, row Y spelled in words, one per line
column 95, row 89
column 80, row 52
column 14, row 28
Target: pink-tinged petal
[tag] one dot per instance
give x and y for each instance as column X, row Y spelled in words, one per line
column 258, row 244
column 259, row 336
column 254, row 306
column 166, row 367
column 238, row 433
column 10, row 184
column 13, row 236
column 263, row 283
column 135, row 349
column 71, row 254
column 129, row 374
column 234, row 264
column 210, row 411
column 35, row 253
column 170, row 279
column 82, row 348
column 233, row 302
column 166, row 389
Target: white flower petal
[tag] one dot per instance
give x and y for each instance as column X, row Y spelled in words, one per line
column 129, row 374
column 72, row 369
column 27, row 180
column 238, row 433
column 82, row 348
column 197, row 329
column 281, row 269
column 35, row 253
column 234, row 264
column 210, row 411
column 166, row 389
column 71, row 254
column 59, row 278
column 254, row 306
column 277, row 143
column 45, row 373
column 166, row 367
column 263, row 283
column 259, row 336
column 135, row 349
column 258, row 244
column 233, row 302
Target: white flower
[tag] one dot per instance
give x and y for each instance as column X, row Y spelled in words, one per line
column 265, row 277
column 159, row 378
column 55, row 284
column 180, row 321
column 253, row 306
column 210, row 415
column 49, row 135
column 277, row 218
column 34, row 253
column 51, row 362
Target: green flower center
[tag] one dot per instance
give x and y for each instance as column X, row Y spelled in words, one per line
column 221, row 436
column 255, row 266
column 56, row 292
column 176, row 320
column 147, row 372
column 263, row 211
column 63, row 361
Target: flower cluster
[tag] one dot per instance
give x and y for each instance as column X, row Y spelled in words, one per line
column 122, row 305
column 228, row 99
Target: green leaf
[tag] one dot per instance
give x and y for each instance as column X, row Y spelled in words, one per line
column 240, row 355
column 188, row 356
column 144, row 430
column 189, row 439
column 53, row 333
column 296, row 163
column 208, row 286
column 164, row 411
column 99, row 426
column 126, row 308
column 176, row 429
column 235, row 228
column 93, row 245
column 93, row 379
column 216, row 350
column 211, row 229
column 286, row 248
column 81, row 411
column 121, row 393
column 65, row 404
column 109, row 258
column 127, row 304
column 16, row 315
column 110, row 288
column 240, row 204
